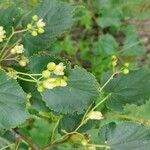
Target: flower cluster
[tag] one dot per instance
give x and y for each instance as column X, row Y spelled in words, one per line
column 95, row 115
column 36, row 26
column 126, row 68
column 23, row 61
column 114, row 60
column 53, row 77
column 2, row 34
column 19, row 49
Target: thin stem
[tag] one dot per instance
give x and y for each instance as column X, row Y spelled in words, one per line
column 81, row 124
column 10, row 145
column 8, row 59
column 10, row 37
column 49, row 146
column 28, row 80
column 54, row 129
column 83, row 119
column 12, row 34
column 130, row 46
column 101, row 102
column 17, row 146
column 23, row 138
column 111, row 77
column 6, row 52
column 100, row 146
column 20, row 31
column 29, row 75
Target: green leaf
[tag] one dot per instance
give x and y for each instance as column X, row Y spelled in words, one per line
column 106, row 45
column 70, row 122
column 38, row 62
column 58, row 17
column 106, row 18
column 82, row 89
column 36, row 100
column 108, row 21
column 12, row 103
column 132, row 45
column 67, row 45
column 40, row 132
column 125, row 136
column 141, row 112
column 3, row 142
column 9, row 17
column 133, row 88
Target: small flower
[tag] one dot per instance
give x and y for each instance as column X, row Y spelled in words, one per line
column 2, row 34
column 13, row 51
column 95, row 115
column 114, row 60
column 114, row 63
column 126, row 65
column 40, row 88
column 125, row 71
column 84, row 142
column 23, row 61
column 59, row 70
column 34, row 33
column 51, row 66
column 126, row 68
column 40, row 23
column 50, row 83
column 40, row 30
column 18, row 49
column 36, row 26
column 35, row 18
column 29, row 26
column 46, row 74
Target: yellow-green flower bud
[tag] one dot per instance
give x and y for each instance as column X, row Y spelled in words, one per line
column 126, row 65
column 22, row 63
column 29, row 26
column 51, row 66
column 46, row 74
column 40, row 30
column 35, row 18
column 13, row 51
column 34, row 33
column 40, row 88
column 114, row 63
column 84, row 142
column 114, row 58
column 125, row 70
